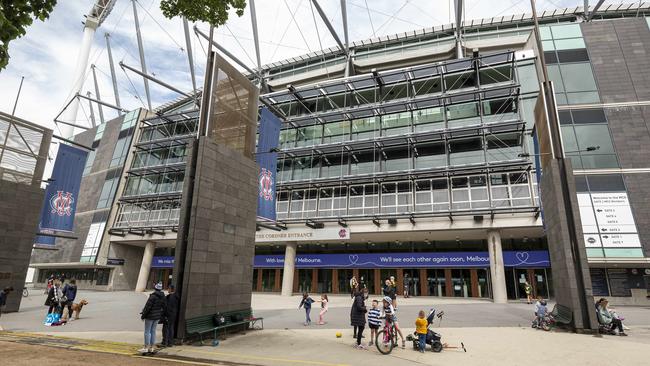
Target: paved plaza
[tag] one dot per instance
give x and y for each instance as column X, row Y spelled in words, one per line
column 492, row 333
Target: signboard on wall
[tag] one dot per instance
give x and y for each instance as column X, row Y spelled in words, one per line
column 607, row 220
column 162, row 262
column 62, row 193
column 302, row 234
column 407, row 260
column 93, row 239
column 267, row 158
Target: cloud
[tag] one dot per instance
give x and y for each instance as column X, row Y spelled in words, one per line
column 47, row 55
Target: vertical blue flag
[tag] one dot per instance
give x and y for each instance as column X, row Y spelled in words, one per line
column 61, row 195
column 267, row 158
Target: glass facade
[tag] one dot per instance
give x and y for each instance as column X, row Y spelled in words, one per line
column 375, row 143
column 154, row 182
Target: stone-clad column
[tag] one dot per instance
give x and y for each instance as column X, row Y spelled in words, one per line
column 145, row 267
column 289, row 267
column 497, row 270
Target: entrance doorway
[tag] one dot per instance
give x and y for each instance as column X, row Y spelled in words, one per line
column 460, row 281
column 538, row 278
column 344, row 277
column 268, row 279
column 162, row 275
column 436, row 282
column 304, row 280
column 414, row 283
column 324, row 280
column 367, row 280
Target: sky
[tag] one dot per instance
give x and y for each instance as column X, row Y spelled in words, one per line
column 47, row 54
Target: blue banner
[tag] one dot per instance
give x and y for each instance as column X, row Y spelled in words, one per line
column 536, row 258
column 61, row 194
column 267, row 158
column 162, row 262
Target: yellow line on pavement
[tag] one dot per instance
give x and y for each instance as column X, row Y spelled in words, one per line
column 174, row 360
column 262, row 358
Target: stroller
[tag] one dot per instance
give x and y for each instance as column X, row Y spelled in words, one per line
column 433, row 338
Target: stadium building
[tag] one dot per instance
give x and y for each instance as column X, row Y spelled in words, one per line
column 406, row 155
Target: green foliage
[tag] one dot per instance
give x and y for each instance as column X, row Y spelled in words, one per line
column 15, row 17
column 214, row 12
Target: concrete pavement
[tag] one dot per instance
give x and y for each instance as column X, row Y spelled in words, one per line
column 492, row 333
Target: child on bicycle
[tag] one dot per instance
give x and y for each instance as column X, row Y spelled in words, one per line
column 373, row 321
column 421, row 329
column 306, row 302
column 391, row 317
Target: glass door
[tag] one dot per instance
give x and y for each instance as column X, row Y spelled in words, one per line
column 483, row 282
column 304, row 280
column 521, row 274
column 436, row 282
column 367, row 280
column 324, row 281
column 268, row 279
column 541, row 283
column 460, row 280
column 255, row 274
column 345, row 275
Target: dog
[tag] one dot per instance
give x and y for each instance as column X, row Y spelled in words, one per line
column 76, row 308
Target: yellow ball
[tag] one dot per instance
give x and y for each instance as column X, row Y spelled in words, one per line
column 339, row 335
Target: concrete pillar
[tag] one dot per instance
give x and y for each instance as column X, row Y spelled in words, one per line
column 145, row 267
column 289, row 269
column 497, row 270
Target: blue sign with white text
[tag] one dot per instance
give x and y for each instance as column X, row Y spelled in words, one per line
column 267, row 158
column 61, row 195
column 162, row 262
column 536, row 258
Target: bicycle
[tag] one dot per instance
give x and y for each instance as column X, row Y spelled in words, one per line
column 386, row 338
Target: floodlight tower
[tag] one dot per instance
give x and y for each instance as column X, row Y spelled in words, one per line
column 94, row 19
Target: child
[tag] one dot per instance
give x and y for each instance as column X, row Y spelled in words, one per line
column 323, row 308
column 389, row 313
column 540, row 311
column 537, row 304
column 421, row 329
column 306, row 302
column 373, row 321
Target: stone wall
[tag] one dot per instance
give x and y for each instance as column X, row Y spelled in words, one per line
column 566, row 276
column 215, row 262
column 20, row 205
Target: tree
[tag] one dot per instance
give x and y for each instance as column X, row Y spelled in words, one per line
column 15, row 17
column 214, row 12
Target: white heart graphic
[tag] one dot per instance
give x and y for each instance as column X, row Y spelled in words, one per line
column 522, row 256
column 353, row 258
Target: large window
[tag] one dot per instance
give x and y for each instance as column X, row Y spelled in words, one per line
column 396, row 124
column 365, row 128
column 336, row 132
column 364, row 200
column 466, row 151
column 587, row 140
column 429, row 119
column 396, row 198
column 108, row 188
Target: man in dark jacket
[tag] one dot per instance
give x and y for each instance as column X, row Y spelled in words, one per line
column 169, row 322
column 152, row 312
column 3, row 298
column 69, row 293
column 358, row 317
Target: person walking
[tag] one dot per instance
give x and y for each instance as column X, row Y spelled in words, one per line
column 3, row 298
column 407, row 285
column 324, row 302
column 69, row 294
column 528, row 289
column 171, row 311
column 358, row 318
column 306, row 302
column 152, row 312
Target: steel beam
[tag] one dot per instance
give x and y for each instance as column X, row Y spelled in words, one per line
column 458, row 5
column 329, row 26
column 225, row 52
column 112, row 66
column 101, row 111
column 92, row 111
column 100, row 102
column 255, row 36
column 143, row 64
column 188, row 48
column 149, row 77
column 344, row 15
column 595, row 9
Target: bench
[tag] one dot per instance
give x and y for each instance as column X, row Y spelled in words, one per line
column 562, row 314
column 205, row 324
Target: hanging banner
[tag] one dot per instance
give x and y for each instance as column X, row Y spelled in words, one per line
column 529, row 259
column 60, row 202
column 267, row 158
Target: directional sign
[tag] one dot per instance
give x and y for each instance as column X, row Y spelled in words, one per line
column 620, row 240
column 614, row 215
